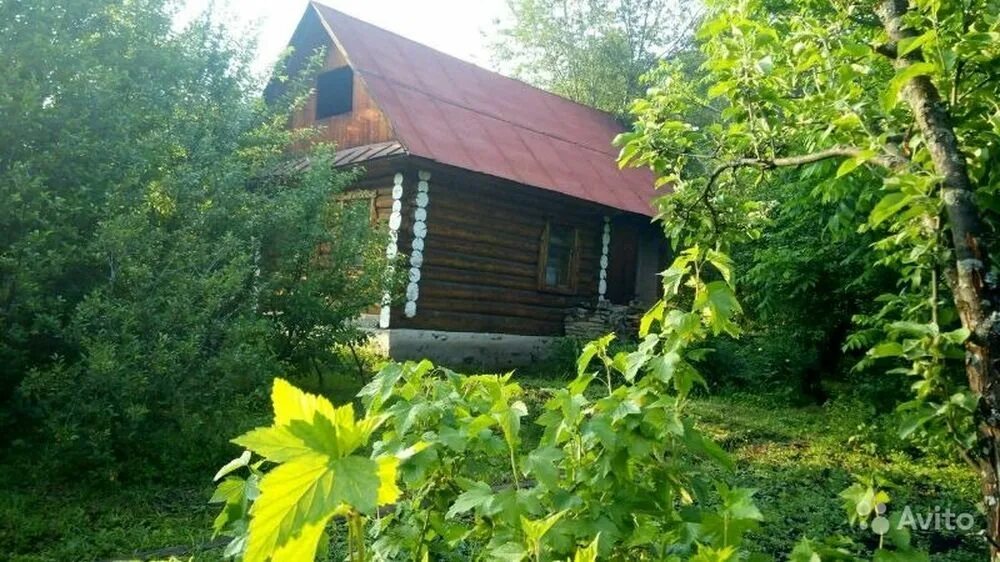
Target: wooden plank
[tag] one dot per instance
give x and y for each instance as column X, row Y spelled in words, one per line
column 364, row 124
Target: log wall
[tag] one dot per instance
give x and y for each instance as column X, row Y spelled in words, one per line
column 480, row 269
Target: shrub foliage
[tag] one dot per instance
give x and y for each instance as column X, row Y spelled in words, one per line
column 156, row 269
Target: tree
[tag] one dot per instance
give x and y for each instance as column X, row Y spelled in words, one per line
column 138, row 198
column 815, row 87
column 802, row 256
column 592, row 51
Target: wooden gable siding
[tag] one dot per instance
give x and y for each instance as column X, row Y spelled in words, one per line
column 366, row 123
column 480, row 269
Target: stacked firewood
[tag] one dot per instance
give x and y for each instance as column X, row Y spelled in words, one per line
column 591, row 320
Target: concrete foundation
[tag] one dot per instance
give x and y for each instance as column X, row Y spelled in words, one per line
column 464, row 349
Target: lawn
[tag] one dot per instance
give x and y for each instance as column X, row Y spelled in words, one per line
column 798, row 459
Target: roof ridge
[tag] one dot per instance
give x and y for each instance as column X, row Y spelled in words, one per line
column 324, row 6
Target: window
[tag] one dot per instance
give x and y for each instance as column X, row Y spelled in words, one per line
column 557, row 264
column 334, row 92
column 360, row 203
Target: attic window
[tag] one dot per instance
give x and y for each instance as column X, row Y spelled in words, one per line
column 334, row 92
column 558, row 259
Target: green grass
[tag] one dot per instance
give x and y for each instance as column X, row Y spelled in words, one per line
column 74, row 523
column 798, row 459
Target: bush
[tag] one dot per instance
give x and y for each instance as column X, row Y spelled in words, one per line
column 771, row 363
column 157, row 270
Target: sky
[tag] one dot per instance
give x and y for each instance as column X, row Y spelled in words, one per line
column 453, row 26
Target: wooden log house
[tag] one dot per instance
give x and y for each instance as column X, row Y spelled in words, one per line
column 505, row 200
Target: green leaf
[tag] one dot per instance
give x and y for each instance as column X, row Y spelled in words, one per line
column 664, row 366
column 509, row 552
column 721, row 262
column 804, row 552
column 721, row 89
column 509, row 420
column 589, row 552
column 380, row 389
column 356, row 483
column 912, row 423
column 719, row 307
column 956, row 337
column 886, row 349
column 534, row 530
column 852, row 163
column 580, row 384
column 654, row 314
column 887, row 207
column 276, row 444
column 229, row 490
column 591, row 350
column 909, row 44
column 288, row 517
column 318, row 477
column 479, row 494
column 543, row 464
column 299, row 497
column 710, row 554
column 902, row 77
column 738, row 504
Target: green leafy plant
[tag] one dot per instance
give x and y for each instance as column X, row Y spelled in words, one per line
column 891, row 111
column 611, row 474
column 157, row 267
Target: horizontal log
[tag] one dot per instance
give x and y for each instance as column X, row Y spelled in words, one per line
column 433, row 272
column 471, row 220
column 482, row 186
column 496, row 269
column 459, row 291
column 527, row 212
column 508, row 235
column 445, row 258
column 476, row 244
column 514, row 310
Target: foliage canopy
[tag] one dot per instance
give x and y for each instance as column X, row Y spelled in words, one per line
column 153, row 264
column 593, row 52
column 892, row 115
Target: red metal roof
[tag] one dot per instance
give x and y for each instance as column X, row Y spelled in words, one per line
column 456, row 113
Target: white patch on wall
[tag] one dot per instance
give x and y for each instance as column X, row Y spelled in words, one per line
column 419, row 234
column 602, row 282
column 392, row 248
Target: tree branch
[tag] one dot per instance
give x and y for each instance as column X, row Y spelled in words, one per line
column 886, row 161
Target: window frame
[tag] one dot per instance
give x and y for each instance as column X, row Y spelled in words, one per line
column 365, row 195
column 572, row 276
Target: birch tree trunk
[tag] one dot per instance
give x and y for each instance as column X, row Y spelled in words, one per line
column 976, row 299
